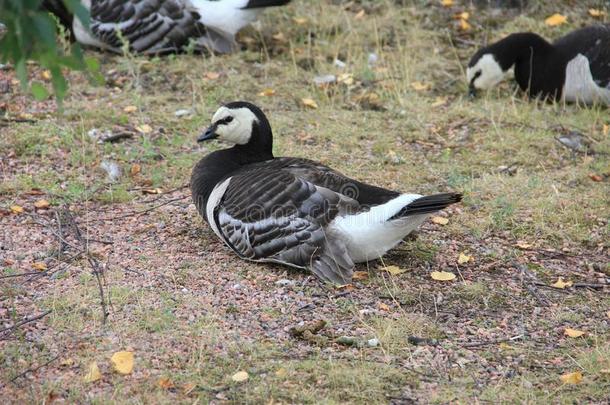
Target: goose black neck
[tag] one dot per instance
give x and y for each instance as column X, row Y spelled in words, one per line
column 260, row 146
column 519, row 47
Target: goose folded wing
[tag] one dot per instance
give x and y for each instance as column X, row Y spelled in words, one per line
column 271, row 215
column 148, row 25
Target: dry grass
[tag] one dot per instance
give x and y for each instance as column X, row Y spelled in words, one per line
column 194, row 313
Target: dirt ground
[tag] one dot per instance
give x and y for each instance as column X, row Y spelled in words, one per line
column 91, row 266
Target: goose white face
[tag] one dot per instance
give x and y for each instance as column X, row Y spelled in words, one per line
column 234, row 125
column 486, row 73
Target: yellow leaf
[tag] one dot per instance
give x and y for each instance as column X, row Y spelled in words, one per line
column 447, row 3
column 16, row 209
column 93, row 373
column 439, row 101
column 308, row 102
column 346, row 78
column 383, row 307
column 122, row 362
column 464, row 15
column 593, row 12
column 281, row 372
column 360, row 14
column 465, row 26
column 67, row 362
column 573, row 333
column 267, row 93
column 505, row 346
column 523, row 245
column 299, row 20
column 165, row 383
column 463, row 258
column 440, row 220
column 135, row 169
column 130, row 109
column 606, row 129
column 39, row 266
column 604, row 371
column 41, row 204
column 393, row 270
column 360, row 275
column 555, row 19
column 240, row 376
column 152, row 191
column 572, row 378
column 419, row 86
column 561, row 284
column 144, row 129
column 212, row 75
column 442, row 276
column 280, row 37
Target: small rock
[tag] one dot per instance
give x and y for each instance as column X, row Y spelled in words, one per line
column 324, row 80
column 339, row 63
column 285, row 283
column 112, row 169
column 373, row 59
column 373, row 342
column 183, row 112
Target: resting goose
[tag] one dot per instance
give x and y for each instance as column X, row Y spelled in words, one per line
column 574, row 68
column 162, row 26
column 295, row 211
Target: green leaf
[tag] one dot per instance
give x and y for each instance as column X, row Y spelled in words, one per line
column 39, row 91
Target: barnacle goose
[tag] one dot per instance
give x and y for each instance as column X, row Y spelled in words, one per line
column 162, row 26
column 574, row 68
column 295, row 211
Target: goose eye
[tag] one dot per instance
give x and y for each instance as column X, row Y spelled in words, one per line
column 228, row 119
column 477, row 74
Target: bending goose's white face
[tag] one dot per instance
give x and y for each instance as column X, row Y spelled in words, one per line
column 486, row 73
column 234, row 125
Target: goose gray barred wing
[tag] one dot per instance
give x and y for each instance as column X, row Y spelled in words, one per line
column 150, row 26
column 272, row 215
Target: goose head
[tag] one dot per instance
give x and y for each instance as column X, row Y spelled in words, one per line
column 243, row 125
column 483, row 72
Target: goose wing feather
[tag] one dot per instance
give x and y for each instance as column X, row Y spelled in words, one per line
column 272, row 215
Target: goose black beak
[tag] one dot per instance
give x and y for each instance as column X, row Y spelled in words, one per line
column 210, row 133
column 472, row 91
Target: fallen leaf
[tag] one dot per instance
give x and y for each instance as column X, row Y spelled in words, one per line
column 464, row 15
column 463, row 258
column 93, row 373
column 39, row 266
column 442, row 276
column 135, row 169
column 360, row 15
column 573, row 333
column 46, row 75
column 212, row 75
column 165, row 383
column 555, row 19
column 419, row 86
column 267, row 93
column 439, row 101
column 42, row 204
column 67, row 362
column 144, row 129
column 604, row 371
column 346, row 78
column 16, row 209
column 572, row 378
column 281, row 372
column 240, row 376
column 152, row 191
column 122, row 362
column 593, row 12
column 440, row 220
column 595, row 177
column 393, row 270
column 505, row 346
column 360, row 275
column 188, row 388
column 608, row 314
column 523, row 245
column 605, row 129
column 561, row 284
column 383, row 307
column 308, row 102
column 465, row 26
column 299, row 20
column 280, row 37
column 130, row 109
column 447, row 3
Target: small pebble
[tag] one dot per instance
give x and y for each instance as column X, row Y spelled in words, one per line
column 285, row 282
column 373, row 342
column 182, row 112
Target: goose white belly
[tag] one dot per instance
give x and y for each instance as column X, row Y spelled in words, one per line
column 579, row 86
column 213, row 201
column 368, row 235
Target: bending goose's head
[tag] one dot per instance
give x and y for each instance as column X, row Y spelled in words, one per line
column 242, row 124
column 484, row 71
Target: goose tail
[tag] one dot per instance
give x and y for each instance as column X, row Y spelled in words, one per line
column 265, row 3
column 428, row 204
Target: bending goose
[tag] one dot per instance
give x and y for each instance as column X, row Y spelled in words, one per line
column 296, row 211
column 574, row 68
column 162, row 26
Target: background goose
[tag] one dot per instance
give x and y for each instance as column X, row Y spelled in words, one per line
column 296, row 211
column 575, row 68
column 161, row 26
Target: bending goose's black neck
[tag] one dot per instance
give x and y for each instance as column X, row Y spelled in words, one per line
column 539, row 66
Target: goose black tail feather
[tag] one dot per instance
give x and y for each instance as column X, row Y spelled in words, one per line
column 429, row 204
column 265, row 3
